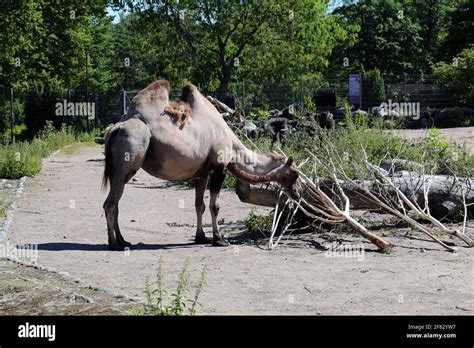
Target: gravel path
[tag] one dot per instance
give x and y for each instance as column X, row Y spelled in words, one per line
column 61, row 211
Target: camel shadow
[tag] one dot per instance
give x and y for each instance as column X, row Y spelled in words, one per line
column 60, row 246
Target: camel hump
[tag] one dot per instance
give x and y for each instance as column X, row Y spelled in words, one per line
column 188, row 90
column 158, row 84
column 156, row 91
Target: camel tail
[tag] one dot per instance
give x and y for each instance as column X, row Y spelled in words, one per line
column 108, row 169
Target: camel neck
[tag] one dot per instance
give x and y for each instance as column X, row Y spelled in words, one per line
column 252, row 166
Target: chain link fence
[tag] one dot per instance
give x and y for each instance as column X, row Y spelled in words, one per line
column 23, row 113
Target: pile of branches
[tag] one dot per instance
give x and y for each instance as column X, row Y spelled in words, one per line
column 328, row 193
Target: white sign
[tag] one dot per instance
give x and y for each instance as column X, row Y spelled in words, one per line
column 355, row 87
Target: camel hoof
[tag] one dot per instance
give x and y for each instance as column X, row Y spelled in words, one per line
column 115, row 247
column 220, row 243
column 202, row 240
column 124, row 244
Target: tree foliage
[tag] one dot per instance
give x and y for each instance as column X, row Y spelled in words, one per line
column 221, row 45
column 458, row 76
column 45, row 41
column 265, row 41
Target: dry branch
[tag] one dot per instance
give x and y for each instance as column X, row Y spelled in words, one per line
column 235, row 115
column 409, row 196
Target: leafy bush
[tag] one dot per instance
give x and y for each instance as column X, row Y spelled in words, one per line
column 230, row 181
column 18, row 110
column 454, row 117
column 19, row 159
column 309, row 104
column 458, row 76
column 446, row 158
column 259, row 116
column 179, row 304
column 378, row 83
column 434, row 151
column 258, row 223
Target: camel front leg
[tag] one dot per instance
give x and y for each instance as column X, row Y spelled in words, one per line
column 217, row 179
column 201, row 184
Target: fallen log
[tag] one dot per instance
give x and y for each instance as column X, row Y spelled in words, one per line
column 443, row 193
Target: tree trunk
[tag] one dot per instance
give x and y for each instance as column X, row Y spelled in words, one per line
column 226, row 74
column 444, row 197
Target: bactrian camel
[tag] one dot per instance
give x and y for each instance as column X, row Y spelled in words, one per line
column 182, row 140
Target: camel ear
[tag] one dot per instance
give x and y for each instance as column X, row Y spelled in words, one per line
column 290, row 161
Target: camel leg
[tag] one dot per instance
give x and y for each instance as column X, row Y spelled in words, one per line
column 111, row 213
column 217, row 179
column 118, row 236
column 201, row 184
column 126, row 152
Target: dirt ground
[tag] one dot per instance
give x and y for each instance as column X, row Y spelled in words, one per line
column 60, row 212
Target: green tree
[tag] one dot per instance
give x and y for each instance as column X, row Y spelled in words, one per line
column 433, row 17
column 389, row 38
column 264, row 40
column 146, row 52
column 458, row 76
column 461, row 29
column 45, row 40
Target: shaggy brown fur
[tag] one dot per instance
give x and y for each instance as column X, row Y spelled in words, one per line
column 181, row 111
column 153, row 93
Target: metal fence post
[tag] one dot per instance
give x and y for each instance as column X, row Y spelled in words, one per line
column 12, row 116
column 124, row 101
column 243, row 94
column 96, row 111
column 404, row 86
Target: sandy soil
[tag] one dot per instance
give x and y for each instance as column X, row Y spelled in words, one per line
column 61, row 212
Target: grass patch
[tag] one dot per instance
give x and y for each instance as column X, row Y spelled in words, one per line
column 434, row 151
column 258, row 223
column 25, row 158
column 73, row 148
column 179, row 303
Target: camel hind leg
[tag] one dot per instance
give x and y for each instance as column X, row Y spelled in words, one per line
column 111, row 213
column 125, row 152
column 216, row 181
column 201, row 184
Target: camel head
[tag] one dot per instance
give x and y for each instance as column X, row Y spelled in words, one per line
column 287, row 177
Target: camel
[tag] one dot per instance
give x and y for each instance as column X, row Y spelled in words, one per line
column 192, row 143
